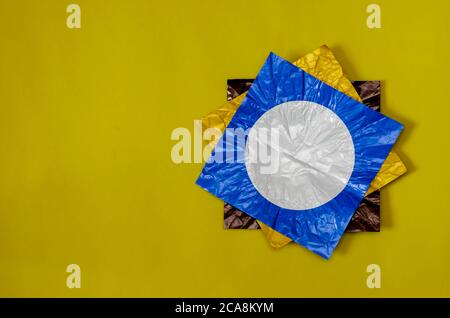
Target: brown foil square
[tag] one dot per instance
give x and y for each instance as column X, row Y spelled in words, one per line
column 366, row 217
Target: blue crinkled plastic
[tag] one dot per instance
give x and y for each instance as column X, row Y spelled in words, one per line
column 318, row 229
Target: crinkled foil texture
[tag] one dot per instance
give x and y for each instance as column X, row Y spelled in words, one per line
column 317, row 228
column 366, row 217
column 322, row 64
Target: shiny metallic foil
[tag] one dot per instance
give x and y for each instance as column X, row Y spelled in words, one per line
column 322, row 64
column 366, row 217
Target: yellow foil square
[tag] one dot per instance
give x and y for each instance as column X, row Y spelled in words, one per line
column 322, row 64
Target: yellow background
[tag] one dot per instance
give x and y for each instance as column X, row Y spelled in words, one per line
column 85, row 170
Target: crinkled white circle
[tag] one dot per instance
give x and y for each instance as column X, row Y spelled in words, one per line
column 299, row 155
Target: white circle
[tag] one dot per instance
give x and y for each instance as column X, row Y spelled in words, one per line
column 308, row 164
